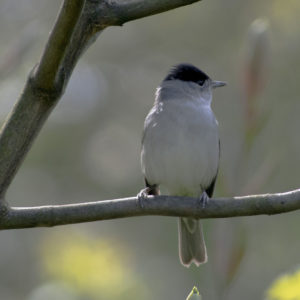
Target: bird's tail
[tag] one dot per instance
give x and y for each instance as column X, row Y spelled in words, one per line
column 191, row 242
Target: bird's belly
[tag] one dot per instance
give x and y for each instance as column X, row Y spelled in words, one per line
column 181, row 154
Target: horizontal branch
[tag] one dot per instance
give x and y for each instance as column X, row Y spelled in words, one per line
column 46, row 216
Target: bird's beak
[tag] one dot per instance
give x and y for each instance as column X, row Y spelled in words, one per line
column 216, row 84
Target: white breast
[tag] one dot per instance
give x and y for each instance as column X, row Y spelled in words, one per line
column 181, row 146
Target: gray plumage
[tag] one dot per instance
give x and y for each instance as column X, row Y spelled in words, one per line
column 180, row 148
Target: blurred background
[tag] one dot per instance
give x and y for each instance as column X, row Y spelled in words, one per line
column 89, row 150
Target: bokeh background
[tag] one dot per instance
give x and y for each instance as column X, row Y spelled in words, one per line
column 89, row 150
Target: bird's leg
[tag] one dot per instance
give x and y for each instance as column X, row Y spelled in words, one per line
column 204, row 199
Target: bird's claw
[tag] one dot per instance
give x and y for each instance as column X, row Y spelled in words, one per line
column 141, row 196
column 204, row 199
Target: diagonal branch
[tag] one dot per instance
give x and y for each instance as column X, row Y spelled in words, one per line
column 46, row 216
column 40, row 94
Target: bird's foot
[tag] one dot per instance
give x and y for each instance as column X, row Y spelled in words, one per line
column 204, row 199
column 142, row 196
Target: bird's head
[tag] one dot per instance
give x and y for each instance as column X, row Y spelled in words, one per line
column 189, row 78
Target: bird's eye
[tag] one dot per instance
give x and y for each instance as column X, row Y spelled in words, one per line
column 200, row 82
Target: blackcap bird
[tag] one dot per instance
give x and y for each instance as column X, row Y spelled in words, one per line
column 181, row 148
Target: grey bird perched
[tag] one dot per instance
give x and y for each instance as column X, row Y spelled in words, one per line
column 181, row 148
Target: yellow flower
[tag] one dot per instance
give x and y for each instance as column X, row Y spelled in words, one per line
column 91, row 266
column 286, row 287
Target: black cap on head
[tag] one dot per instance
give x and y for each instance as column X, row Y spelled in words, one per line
column 187, row 72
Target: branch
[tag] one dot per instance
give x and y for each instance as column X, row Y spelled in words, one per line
column 46, row 216
column 77, row 26
column 46, row 75
column 119, row 12
column 41, row 93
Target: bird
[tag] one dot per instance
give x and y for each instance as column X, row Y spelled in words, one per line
column 181, row 149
